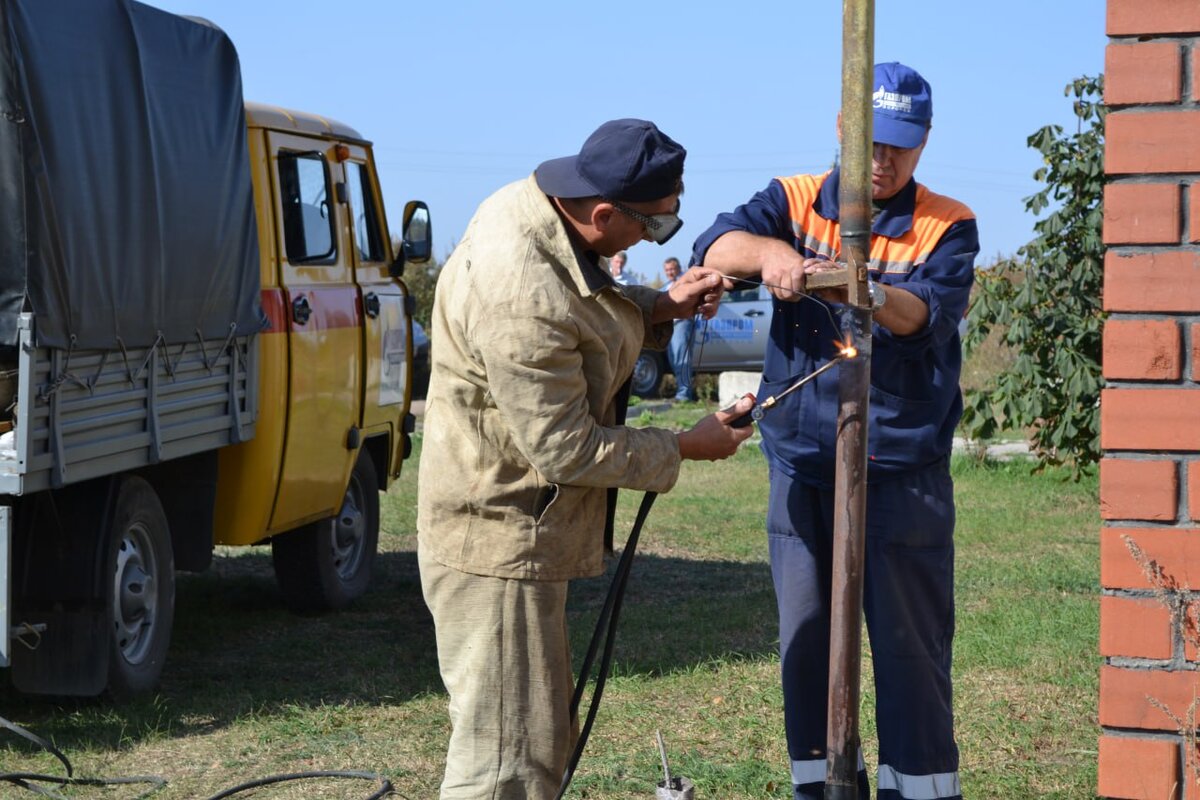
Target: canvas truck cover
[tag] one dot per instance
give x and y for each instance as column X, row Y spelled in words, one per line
column 126, row 207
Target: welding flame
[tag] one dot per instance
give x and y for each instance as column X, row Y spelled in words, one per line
column 845, row 349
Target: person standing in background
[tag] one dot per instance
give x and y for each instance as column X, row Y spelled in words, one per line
column 616, row 267
column 679, row 351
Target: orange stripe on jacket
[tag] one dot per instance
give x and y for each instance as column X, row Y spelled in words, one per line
column 933, row 215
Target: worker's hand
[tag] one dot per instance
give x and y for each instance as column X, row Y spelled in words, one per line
column 783, row 272
column 712, row 438
column 815, row 265
column 696, row 291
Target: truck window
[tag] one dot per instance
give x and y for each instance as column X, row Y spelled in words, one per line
column 307, row 212
column 362, row 209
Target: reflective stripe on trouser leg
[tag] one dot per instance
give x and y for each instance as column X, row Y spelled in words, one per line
column 909, row 603
column 505, row 659
column 798, row 533
column 813, row 771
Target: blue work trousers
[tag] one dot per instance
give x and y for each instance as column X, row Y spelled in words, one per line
column 908, row 600
column 679, row 353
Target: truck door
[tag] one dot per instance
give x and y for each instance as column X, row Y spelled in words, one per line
column 323, row 316
column 386, row 329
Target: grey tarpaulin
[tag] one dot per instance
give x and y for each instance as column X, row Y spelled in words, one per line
column 126, row 207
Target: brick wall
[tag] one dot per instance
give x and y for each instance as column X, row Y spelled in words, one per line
column 1150, row 409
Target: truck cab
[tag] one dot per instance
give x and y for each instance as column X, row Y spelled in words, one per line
column 335, row 382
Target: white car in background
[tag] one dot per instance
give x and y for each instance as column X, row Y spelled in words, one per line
column 735, row 339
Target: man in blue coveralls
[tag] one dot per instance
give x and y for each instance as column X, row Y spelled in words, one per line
column 923, row 248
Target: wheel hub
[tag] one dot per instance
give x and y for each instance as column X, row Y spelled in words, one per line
column 349, row 531
column 135, row 599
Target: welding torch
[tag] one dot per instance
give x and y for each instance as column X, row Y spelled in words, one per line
column 757, row 412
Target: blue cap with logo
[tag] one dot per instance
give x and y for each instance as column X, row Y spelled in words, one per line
column 903, row 103
column 627, row 160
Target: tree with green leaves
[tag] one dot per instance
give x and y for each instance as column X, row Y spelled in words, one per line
column 1045, row 304
column 421, row 280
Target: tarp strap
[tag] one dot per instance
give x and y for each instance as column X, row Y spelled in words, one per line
column 211, row 365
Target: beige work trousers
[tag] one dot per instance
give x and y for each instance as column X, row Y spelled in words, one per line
column 506, row 662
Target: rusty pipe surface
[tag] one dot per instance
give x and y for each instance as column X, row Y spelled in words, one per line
column 850, row 480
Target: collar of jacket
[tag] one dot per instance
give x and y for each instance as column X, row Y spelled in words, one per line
column 589, row 277
column 893, row 221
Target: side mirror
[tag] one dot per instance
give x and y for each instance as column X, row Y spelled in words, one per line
column 417, row 244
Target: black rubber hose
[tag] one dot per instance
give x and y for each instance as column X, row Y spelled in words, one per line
column 30, row 780
column 606, row 626
column 385, row 786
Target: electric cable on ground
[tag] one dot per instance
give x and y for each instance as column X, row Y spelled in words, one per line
column 30, row 780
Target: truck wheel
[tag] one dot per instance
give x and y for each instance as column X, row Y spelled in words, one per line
column 326, row 565
column 141, row 597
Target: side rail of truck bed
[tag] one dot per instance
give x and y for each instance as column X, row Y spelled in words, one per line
column 85, row 414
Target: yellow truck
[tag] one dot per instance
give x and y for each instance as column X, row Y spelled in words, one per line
column 205, row 333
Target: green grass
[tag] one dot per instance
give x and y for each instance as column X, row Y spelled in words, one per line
column 251, row 690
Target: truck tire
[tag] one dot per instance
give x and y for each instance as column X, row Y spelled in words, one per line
column 140, row 600
column 326, row 565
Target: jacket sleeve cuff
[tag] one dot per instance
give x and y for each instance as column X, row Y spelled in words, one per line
column 657, row 335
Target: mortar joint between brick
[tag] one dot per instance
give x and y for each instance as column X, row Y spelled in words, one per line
column 1185, row 342
column 1181, row 475
column 1190, row 595
column 1154, row 179
column 1184, row 206
column 1185, row 64
column 1139, row 456
column 1121, row 250
column 1154, row 38
column 1141, row 664
column 1141, row 733
column 1148, row 524
column 1180, row 384
column 1153, row 316
column 1134, row 109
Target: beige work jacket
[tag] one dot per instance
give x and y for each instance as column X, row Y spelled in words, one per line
column 530, row 345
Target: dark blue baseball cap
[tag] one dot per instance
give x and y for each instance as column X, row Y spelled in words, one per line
column 628, row 160
column 903, row 103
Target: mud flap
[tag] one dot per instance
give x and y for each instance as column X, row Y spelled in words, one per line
column 59, row 584
column 70, row 658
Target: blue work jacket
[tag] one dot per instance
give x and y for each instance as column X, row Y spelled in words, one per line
column 921, row 242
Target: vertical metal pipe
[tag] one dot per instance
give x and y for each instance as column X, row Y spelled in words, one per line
column 850, row 482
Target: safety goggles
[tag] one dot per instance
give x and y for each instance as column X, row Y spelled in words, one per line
column 659, row 227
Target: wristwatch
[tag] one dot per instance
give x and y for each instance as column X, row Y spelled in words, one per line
column 878, row 295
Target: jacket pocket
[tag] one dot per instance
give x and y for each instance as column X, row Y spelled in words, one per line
column 902, row 430
column 545, row 498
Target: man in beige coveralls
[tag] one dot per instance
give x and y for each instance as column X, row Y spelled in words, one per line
column 532, row 343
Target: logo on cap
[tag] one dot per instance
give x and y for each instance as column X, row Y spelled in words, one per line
column 892, row 101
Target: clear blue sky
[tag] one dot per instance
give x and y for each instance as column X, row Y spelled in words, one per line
column 461, row 97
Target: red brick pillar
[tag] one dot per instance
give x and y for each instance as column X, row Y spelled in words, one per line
column 1150, row 409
